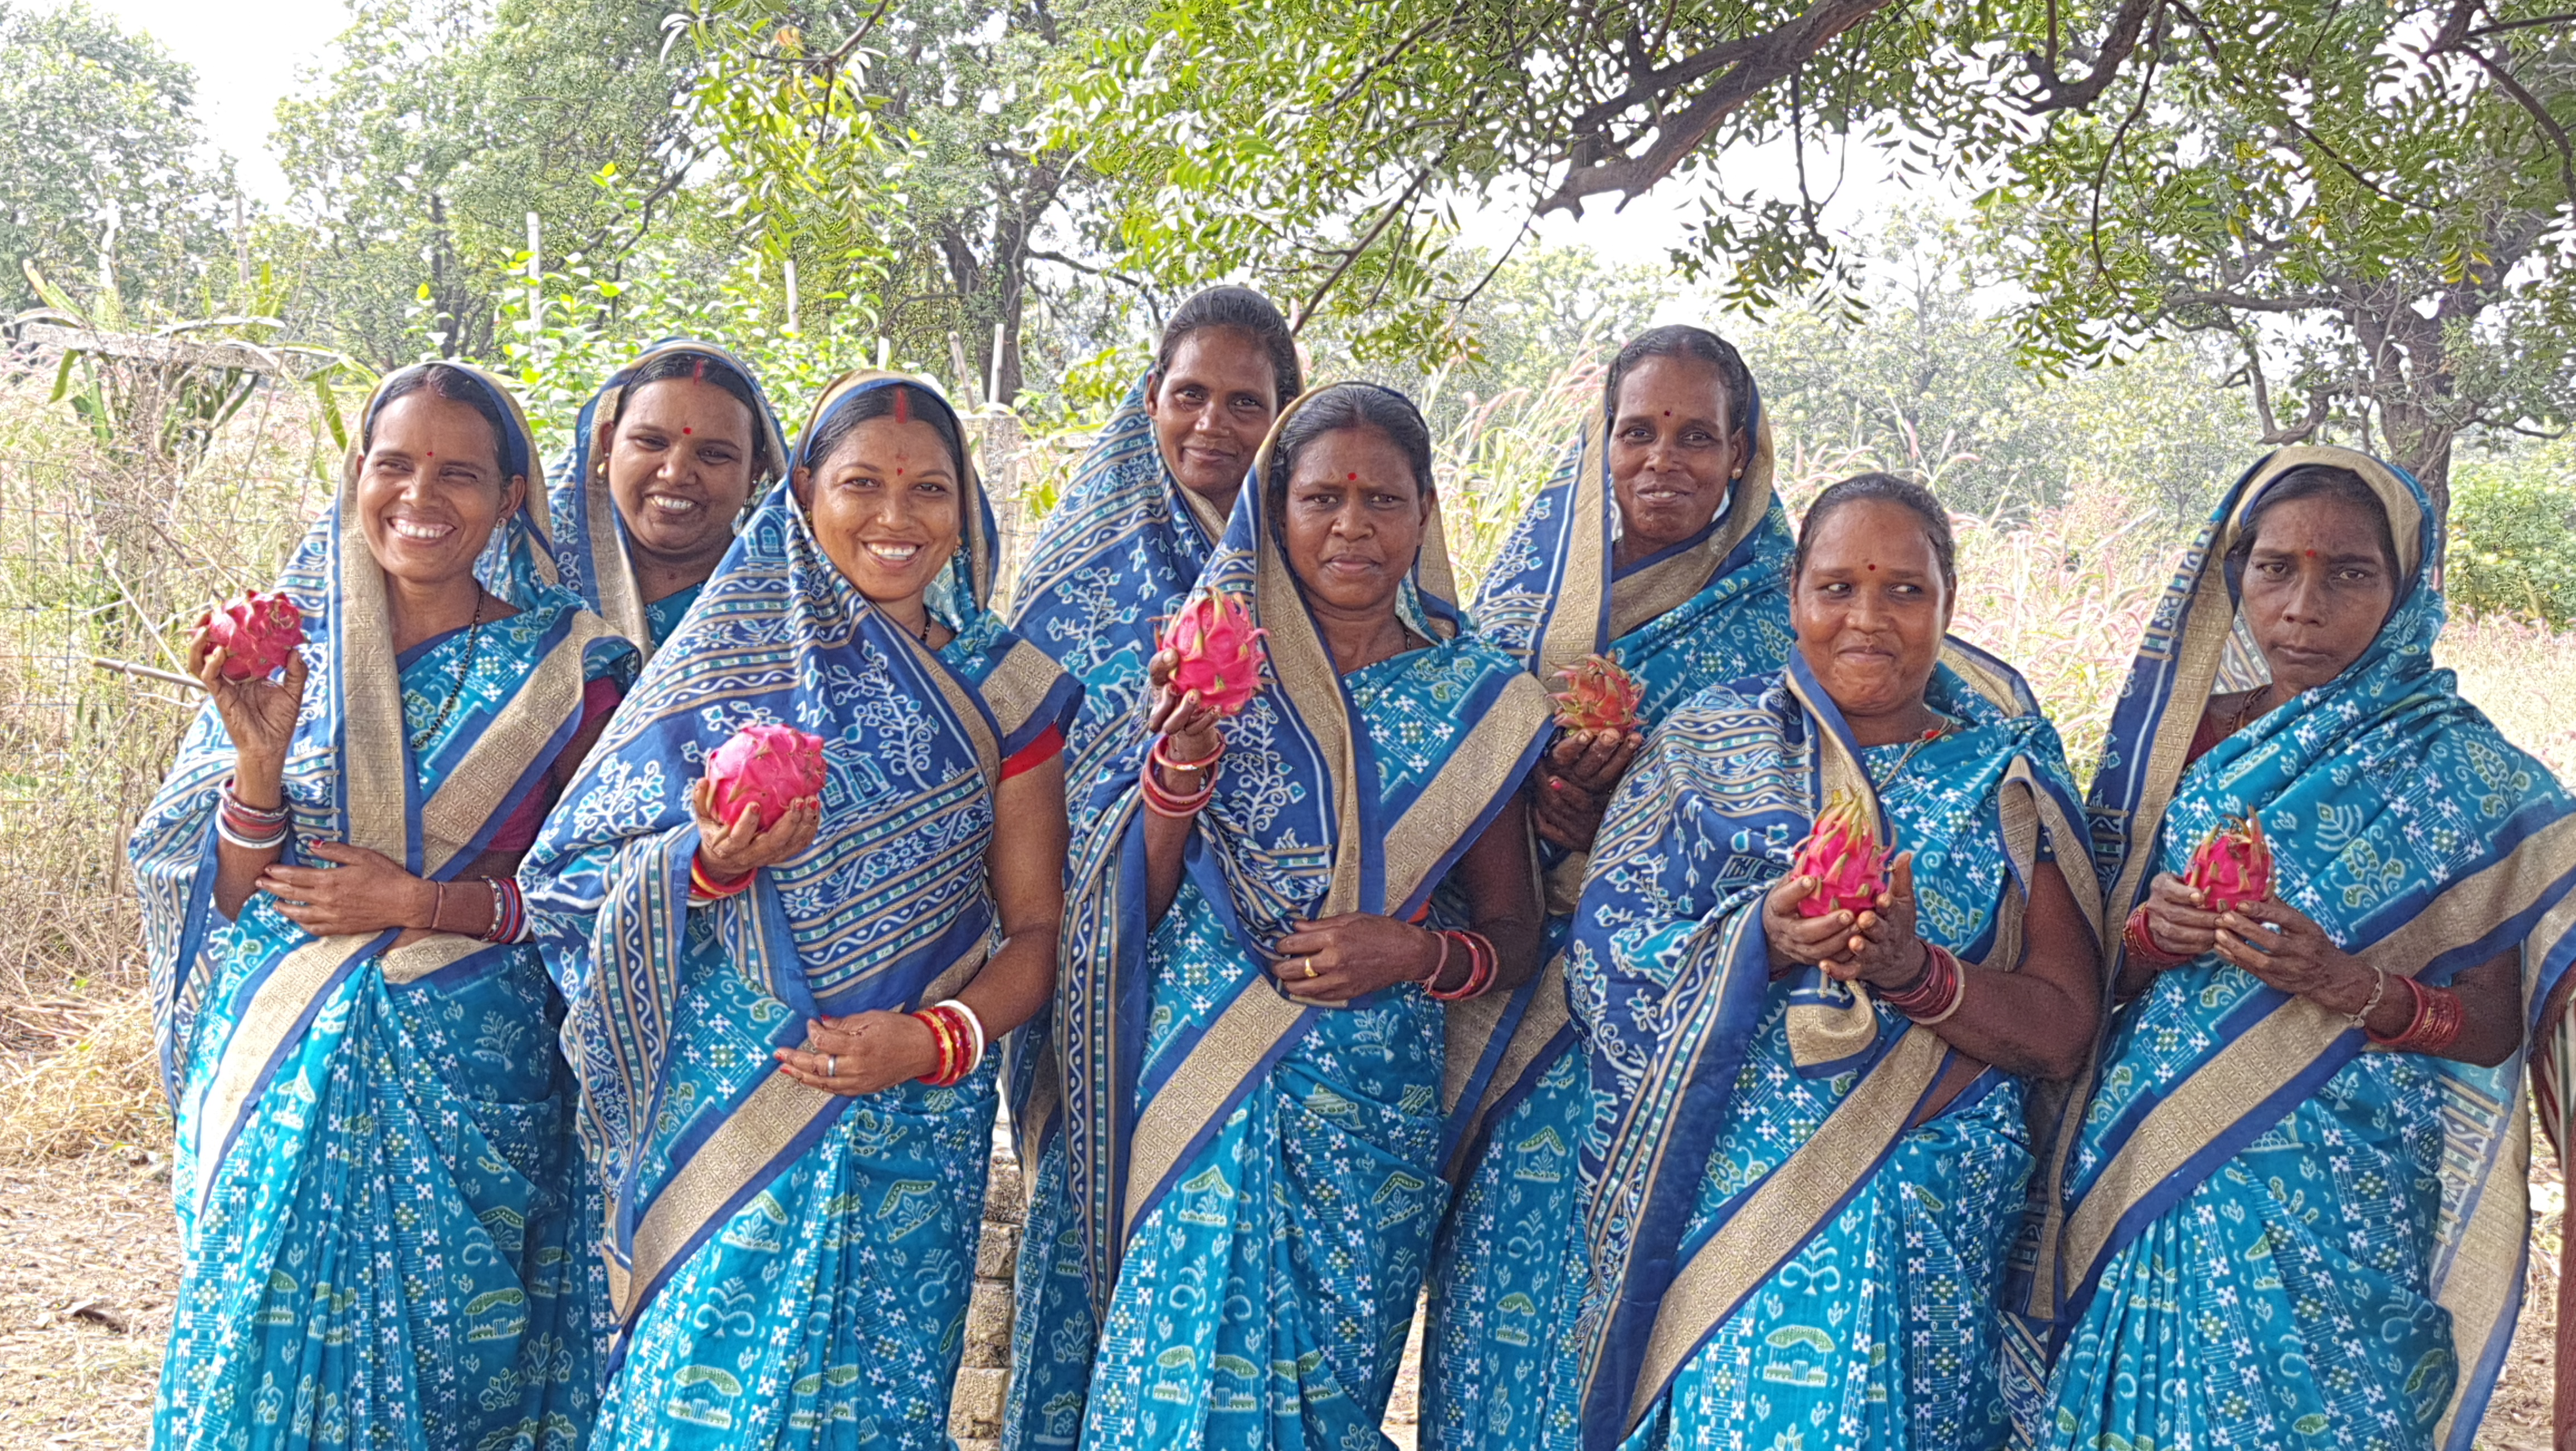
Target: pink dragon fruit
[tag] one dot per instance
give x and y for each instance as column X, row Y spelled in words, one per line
column 1598, row 696
column 1219, row 648
column 2233, row 867
column 765, row 768
column 1844, row 856
column 258, row 632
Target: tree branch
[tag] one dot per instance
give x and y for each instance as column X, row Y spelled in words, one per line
column 2055, row 93
column 1596, row 168
column 2248, row 302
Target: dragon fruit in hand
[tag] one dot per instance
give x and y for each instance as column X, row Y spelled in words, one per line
column 1598, row 696
column 1844, row 856
column 2233, row 867
column 765, row 768
column 1219, row 648
column 258, row 633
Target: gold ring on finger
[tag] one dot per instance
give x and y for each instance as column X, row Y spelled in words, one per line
column 1310, row 966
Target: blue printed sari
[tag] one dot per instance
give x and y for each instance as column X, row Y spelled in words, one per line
column 590, row 535
column 1237, row 1192
column 791, row 1267
column 375, row 1161
column 1709, row 610
column 1779, row 1256
column 2274, row 1236
column 1112, row 560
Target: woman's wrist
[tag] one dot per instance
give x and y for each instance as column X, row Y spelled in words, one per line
column 258, row 783
column 1922, row 969
column 428, row 901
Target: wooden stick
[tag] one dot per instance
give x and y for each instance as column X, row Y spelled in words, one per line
column 146, row 672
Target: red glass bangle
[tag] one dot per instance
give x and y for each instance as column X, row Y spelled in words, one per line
column 2141, row 939
column 2433, row 1026
column 1482, row 963
column 707, row 886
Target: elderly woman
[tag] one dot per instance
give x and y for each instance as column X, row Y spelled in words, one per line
column 1809, row 1159
column 1261, row 1017
column 2295, row 1214
column 780, row 1023
column 1148, row 503
column 1658, row 542
column 373, row 1126
column 665, row 460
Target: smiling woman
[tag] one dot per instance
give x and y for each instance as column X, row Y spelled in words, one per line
column 1149, row 501
column 782, row 1025
column 665, row 459
column 377, row 1190
column 1814, row 1154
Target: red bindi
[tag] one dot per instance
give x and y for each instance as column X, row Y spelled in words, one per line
column 1873, row 569
column 1354, row 478
column 684, row 432
column 2312, row 554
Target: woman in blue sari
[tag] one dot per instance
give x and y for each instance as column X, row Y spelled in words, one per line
column 665, row 460
column 1808, row 1157
column 374, row 1148
column 1658, row 541
column 1148, row 503
column 1267, row 1015
column 794, row 1143
column 2295, row 1215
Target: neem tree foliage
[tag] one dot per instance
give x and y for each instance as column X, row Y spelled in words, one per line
column 2372, row 197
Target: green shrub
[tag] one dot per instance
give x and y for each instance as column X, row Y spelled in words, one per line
column 2513, row 539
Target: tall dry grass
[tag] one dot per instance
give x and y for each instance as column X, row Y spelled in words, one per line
column 105, row 552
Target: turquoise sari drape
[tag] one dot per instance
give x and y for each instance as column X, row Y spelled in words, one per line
column 1775, row 1256
column 2275, row 1236
column 1711, row 610
column 791, row 1267
column 375, row 1166
column 1112, row 560
column 589, row 534
column 1235, row 1200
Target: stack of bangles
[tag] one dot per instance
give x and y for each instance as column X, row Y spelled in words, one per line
column 704, row 888
column 959, row 1035
column 1160, row 800
column 251, row 828
column 1482, row 963
column 1937, row 995
column 2432, row 1028
column 2141, row 940
column 509, row 909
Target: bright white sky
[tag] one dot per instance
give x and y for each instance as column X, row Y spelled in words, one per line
column 244, row 68
column 246, row 59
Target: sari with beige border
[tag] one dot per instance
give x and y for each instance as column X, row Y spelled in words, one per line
column 1776, row 1243
column 2323, row 1242
column 1214, row 1129
column 785, row 1260
column 590, row 543
column 374, row 1166
column 1711, row 609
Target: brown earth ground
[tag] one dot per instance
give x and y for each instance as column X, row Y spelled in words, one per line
column 88, row 1250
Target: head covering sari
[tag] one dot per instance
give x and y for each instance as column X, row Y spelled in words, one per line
column 1713, row 607
column 888, row 910
column 311, row 1082
column 1710, row 609
column 1112, row 560
column 1698, row 1195
column 590, row 544
column 1339, row 793
column 2423, row 843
